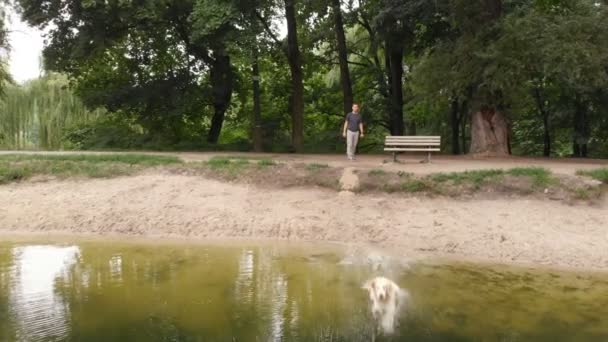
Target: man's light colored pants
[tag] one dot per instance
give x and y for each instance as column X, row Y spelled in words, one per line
column 352, row 139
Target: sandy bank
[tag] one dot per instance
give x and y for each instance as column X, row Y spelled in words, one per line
column 156, row 205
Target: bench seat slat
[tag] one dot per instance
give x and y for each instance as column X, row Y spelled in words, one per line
column 401, row 149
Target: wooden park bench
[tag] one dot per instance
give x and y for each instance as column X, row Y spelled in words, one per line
column 412, row 143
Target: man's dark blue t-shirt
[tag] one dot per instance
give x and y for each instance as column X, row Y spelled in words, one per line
column 353, row 120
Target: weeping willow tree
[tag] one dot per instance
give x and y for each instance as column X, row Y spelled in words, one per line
column 35, row 115
column 4, row 46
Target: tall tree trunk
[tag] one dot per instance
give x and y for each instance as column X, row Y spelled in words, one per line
column 489, row 127
column 347, row 90
column 257, row 108
column 455, row 123
column 297, row 78
column 463, row 116
column 395, row 69
column 489, row 133
column 463, row 132
column 581, row 129
column 221, row 84
column 540, row 103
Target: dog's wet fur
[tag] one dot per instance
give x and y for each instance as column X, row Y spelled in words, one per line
column 387, row 300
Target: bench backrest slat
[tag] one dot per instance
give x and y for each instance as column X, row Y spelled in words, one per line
column 413, row 140
column 414, row 136
column 413, row 144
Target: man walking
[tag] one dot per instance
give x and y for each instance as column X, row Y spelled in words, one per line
column 353, row 129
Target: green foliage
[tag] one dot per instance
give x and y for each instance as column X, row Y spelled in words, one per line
column 36, row 114
column 155, row 66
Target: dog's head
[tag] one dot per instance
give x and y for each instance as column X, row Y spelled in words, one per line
column 379, row 289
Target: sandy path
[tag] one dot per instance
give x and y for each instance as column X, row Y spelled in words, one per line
column 511, row 231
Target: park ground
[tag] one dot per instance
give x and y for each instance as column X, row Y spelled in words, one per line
column 545, row 212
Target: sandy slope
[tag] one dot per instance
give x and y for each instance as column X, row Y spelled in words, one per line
column 512, row 231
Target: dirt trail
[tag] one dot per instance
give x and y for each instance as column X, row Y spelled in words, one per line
column 160, row 205
column 349, row 180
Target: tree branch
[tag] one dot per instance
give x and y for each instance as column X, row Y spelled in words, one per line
column 269, row 30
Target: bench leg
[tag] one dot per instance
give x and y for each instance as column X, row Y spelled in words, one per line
column 428, row 158
column 394, row 157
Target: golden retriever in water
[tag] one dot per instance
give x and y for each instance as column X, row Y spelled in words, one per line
column 387, row 300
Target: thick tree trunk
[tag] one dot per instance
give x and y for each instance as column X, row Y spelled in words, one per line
column 455, row 123
column 221, row 84
column 345, row 81
column 297, row 78
column 257, row 108
column 489, row 133
column 395, row 69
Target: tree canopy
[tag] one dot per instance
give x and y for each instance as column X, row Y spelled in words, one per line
column 495, row 76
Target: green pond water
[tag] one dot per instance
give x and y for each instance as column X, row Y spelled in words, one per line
column 109, row 291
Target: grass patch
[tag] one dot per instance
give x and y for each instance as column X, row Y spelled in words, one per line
column 475, row 177
column 236, row 158
column 597, row 174
column 377, row 173
column 232, row 168
column 415, row 185
column 23, row 166
column 132, row 159
column 541, row 177
column 227, row 166
column 316, row 167
column 582, row 193
column 266, row 162
column 404, row 174
column 219, row 162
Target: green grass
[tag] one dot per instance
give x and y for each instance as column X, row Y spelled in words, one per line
column 541, row 177
column 597, row 174
column 403, row 174
column 376, row 173
column 266, row 162
column 316, row 167
column 582, row 193
column 232, row 167
column 475, row 177
column 415, row 185
column 227, row 166
column 133, row 159
column 16, row 167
